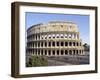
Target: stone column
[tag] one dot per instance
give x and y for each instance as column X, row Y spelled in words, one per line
column 47, row 52
column 43, row 52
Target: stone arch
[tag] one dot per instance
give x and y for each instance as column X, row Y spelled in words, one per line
column 70, row 52
column 66, row 52
column 62, row 52
column 70, row 43
column 57, row 52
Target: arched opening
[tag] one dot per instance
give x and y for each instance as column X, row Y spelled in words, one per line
column 66, row 52
column 76, row 52
column 73, row 43
column 57, row 43
column 62, row 44
column 36, row 37
column 41, row 52
column 66, row 43
column 45, row 52
column 38, row 52
column 41, row 44
column 53, row 52
column 70, row 52
column 77, row 43
column 53, row 43
column 57, row 52
column 62, row 52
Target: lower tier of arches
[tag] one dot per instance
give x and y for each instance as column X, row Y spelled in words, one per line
column 54, row 52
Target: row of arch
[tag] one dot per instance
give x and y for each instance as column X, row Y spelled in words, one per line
column 53, row 36
column 53, row 44
column 54, row 52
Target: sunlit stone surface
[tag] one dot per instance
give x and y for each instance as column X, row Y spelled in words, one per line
column 56, row 38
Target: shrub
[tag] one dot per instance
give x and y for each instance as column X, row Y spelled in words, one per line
column 37, row 61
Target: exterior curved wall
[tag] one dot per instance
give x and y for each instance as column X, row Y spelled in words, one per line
column 54, row 39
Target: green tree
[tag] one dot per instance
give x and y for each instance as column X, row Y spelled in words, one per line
column 37, row 61
column 86, row 47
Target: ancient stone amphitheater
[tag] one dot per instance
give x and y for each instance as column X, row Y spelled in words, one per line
column 56, row 38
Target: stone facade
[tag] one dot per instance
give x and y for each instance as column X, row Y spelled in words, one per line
column 57, row 38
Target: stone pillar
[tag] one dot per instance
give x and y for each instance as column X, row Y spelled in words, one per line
column 64, row 43
column 40, row 36
column 43, row 52
column 47, row 52
column 43, row 44
column 68, row 43
column 47, row 44
column 51, row 52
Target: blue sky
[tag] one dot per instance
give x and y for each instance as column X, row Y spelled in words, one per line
column 82, row 21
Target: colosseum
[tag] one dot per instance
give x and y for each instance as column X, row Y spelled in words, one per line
column 55, row 38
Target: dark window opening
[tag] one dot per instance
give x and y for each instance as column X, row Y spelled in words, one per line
column 62, row 44
column 70, row 52
column 62, row 36
column 73, row 43
column 53, row 36
column 45, row 44
column 77, row 52
column 57, row 52
column 49, row 37
column 38, row 52
column 45, row 37
column 66, row 43
column 36, row 37
column 53, row 43
column 57, row 36
column 77, row 43
column 42, row 44
column 70, row 44
column 62, row 52
column 66, row 52
column 53, row 52
column 57, row 43
column 45, row 52
column 42, row 52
